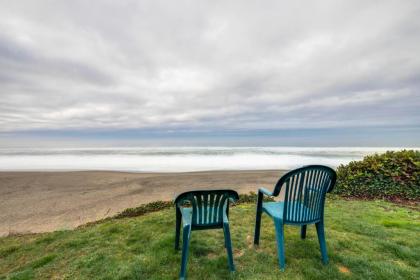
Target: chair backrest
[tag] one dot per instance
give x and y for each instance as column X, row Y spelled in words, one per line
column 304, row 194
column 208, row 206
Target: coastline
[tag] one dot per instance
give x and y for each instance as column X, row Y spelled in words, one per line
column 32, row 202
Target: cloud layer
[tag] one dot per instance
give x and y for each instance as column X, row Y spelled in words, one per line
column 204, row 65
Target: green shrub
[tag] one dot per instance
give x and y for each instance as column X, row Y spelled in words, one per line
column 251, row 198
column 144, row 209
column 160, row 205
column 391, row 176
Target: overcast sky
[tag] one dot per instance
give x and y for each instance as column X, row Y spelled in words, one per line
column 96, row 69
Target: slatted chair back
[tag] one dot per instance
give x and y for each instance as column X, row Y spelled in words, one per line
column 208, row 206
column 304, row 194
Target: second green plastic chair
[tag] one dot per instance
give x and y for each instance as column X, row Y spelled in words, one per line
column 303, row 194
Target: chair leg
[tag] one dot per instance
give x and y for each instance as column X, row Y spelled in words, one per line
column 258, row 219
column 185, row 248
column 228, row 245
column 177, row 228
column 303, row 232
column 280, row 242
column 321, row 239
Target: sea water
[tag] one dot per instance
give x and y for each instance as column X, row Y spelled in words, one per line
column 178, row 159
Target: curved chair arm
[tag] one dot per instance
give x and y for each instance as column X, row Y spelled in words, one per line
column 232, row 200
column 260, row 197
column 265, row 191
column 177, row 203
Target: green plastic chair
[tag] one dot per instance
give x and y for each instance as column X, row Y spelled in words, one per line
column 304, row 197
column 199, row 210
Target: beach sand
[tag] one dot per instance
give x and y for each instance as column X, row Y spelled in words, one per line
column 46, row 201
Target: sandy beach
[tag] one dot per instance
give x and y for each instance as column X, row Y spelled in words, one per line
column 46, row 201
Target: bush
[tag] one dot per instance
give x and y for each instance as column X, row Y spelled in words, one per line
column 391, row 176
column 160, row 205
column 251, row 198
column 144, row 209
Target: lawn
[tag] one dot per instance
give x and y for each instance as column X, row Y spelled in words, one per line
column 366, row 240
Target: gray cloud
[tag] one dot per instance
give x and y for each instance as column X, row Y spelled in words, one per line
column 198, row 65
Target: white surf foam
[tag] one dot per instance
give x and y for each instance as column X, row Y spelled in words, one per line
column 182, row 159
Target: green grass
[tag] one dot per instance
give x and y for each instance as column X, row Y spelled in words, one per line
column 366, row 240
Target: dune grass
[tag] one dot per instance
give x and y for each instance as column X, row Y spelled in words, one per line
column 366, row 240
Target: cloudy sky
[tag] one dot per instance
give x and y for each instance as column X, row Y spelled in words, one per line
column 207, row 72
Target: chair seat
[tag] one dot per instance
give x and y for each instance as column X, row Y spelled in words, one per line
column 186, row 213
column 276, row 209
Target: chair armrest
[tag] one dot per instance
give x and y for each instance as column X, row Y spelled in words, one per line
column 225, row 218
column 265, row 191
column 174, row 198
column 231, row 200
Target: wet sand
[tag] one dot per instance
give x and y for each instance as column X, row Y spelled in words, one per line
column 48, row 201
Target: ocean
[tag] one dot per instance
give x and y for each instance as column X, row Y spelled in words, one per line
column 178, row 159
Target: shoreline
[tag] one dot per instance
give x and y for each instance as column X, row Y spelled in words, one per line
column 34, row 201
